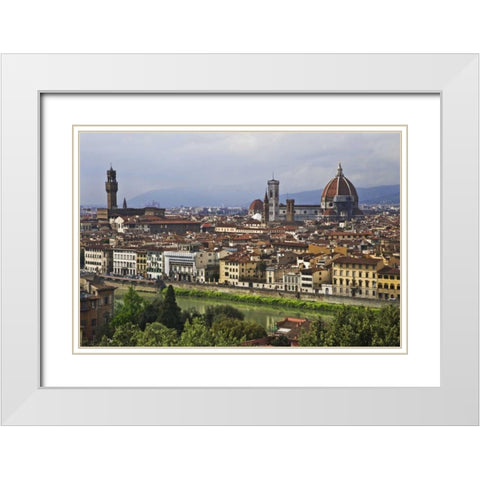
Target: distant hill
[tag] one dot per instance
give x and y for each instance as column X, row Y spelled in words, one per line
column 386, row 194
column 169, row 198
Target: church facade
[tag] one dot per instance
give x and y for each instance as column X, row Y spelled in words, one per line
column 339, row 201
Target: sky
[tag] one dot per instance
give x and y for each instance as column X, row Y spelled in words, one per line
column 233, row 161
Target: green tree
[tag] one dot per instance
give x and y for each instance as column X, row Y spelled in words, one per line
column 315, row 336
column 157, row 335
column 215, row 312
column 231, row 331
column 150, row 313
column 280, row 341
column 133, row 305
column 125, row 335
column 170, row 312
column 341, row 332
column 196, row 334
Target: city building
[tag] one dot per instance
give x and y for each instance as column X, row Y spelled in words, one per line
column 355, row 277
column 389, row 283
column 154, row 264
column 112, row 210
column 180, row 265
column 96, row 307
column 98, row 259
column 125, row 262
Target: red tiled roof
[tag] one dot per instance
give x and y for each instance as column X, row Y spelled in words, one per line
column 339, row 186
column 361, row 261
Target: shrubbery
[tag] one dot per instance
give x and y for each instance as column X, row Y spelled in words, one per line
column 161, row 323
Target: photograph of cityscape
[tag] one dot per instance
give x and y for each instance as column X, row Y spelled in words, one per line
column 240, row 239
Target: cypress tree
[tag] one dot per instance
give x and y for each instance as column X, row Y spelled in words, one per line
column 170, row 312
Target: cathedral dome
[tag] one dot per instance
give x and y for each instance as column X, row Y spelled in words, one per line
column 255, row 207
column 339, row 185
column 339, row 197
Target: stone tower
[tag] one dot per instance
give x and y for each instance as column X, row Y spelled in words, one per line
column 111, row 186
column 266, row 213
column 290, row 217
column 273, row 200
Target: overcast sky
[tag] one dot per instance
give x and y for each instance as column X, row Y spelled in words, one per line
column 234, row 160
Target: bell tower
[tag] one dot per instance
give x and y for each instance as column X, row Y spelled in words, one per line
column 111, row 186
column 273, row 200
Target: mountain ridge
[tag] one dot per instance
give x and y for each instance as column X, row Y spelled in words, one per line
column 170, row 198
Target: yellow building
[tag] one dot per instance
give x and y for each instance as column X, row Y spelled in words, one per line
column 241, row 268
column 142, row 263
column 389, row 283
column 355, row 277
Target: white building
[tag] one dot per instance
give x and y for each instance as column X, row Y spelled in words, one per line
column 180, row 265
column 154, row 264
column 98, row 260
column 124, row 262
column 292, row 281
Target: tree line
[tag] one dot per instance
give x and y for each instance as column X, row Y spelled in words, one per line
column 355, row 327
column 162, row 323
column 138, row 322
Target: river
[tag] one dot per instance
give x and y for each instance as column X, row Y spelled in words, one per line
column 265, row 316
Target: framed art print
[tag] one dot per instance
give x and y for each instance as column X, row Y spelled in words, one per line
column 208, row 238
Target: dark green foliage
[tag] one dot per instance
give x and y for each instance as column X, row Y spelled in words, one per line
column 356, row 327
column 150, row 313
column 214, row 312
column 232, row 331
column 162, row 323
column 169, row 313
column 280, row 341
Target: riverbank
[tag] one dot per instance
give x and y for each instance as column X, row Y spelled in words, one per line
column 253, row 299
column 324, row 303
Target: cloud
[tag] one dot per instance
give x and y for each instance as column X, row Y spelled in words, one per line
column 234, row 160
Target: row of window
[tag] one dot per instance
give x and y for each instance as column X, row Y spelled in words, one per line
column 347, row 274
column 360, row 282
column 360, row 266
column 359, row 292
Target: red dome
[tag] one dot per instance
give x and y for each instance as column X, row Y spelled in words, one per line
column 256, row 206
column 339, row 185
column 340, row 198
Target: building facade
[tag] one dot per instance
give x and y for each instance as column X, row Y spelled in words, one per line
column 98, row 260
column 155, row 264
column 389, row 283
column 125, row 262
column 355, row 277
column 96, row 307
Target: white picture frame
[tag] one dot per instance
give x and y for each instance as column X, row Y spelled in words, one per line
column 26, row 77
